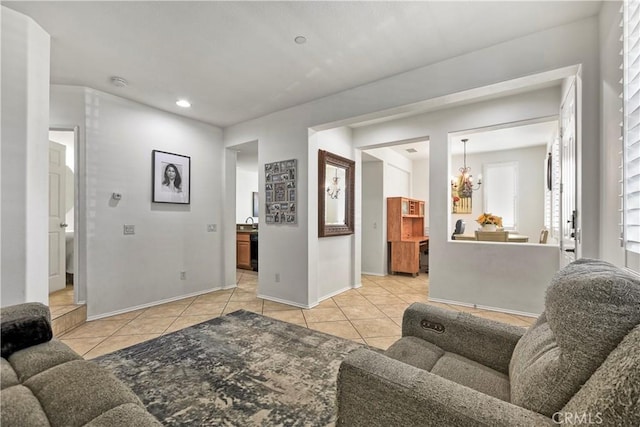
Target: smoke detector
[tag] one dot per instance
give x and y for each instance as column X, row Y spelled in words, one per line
column 119, row 81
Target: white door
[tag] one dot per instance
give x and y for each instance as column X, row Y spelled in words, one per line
column 57, row 213
column 569, row 231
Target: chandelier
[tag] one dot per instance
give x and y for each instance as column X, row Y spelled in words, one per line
column 333, row 190
column 463, row 184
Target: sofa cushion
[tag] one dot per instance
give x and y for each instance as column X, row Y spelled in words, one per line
column 8, row 376
column 472, row 374
column 590, row 307
column 76, row 392
column 21, row 408
column 415, row 352
column 125, row 415
column 33, row 360
column 24, row 325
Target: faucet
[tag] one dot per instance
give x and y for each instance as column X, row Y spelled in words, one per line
column 246, row 221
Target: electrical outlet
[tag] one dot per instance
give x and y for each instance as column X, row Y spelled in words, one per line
column 183, row 275
column 212, row 228
column 277, row 277
column 129, row 229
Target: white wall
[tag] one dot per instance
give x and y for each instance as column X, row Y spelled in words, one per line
column 284, row 134
column 24, row 159
column 246, row 184
column 420, row 186
column 610, row 117
column 126, row 271
column 374, row 245
column 335, row 271
column 530, row 204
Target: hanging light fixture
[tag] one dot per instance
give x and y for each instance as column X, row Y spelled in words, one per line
column 333, row 190
column 463, row 184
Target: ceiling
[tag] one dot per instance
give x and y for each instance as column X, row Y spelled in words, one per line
column 237, row 60
column 506, row 138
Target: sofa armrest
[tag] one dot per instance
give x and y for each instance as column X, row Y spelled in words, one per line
column 375, row 390
column 24, row 325
column 485, row 341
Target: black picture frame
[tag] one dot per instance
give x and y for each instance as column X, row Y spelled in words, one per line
column 168, row 187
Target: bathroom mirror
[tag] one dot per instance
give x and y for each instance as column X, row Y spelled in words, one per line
column 335, row 194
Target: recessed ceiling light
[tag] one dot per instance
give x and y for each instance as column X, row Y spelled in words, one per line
column 119, row 81
column 411, row 150
column 183, row 103
column 300, row 39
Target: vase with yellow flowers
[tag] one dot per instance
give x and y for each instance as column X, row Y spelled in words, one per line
column 489, row 222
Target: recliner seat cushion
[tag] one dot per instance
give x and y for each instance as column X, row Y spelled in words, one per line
column 429, row 357
column 415, row 352
column 590, row 307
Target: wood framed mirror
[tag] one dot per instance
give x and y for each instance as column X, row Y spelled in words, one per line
column 336, row 176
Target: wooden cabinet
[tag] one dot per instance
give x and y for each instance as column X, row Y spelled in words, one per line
column 243, row 250
column 405, row 233
column 405, row 257
column 405, row 218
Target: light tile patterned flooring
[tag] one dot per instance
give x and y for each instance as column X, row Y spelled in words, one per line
column 371, row 314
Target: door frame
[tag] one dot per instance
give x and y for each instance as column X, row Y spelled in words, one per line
column 79, row 237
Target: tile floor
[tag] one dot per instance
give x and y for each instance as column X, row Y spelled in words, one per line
column 371, row 314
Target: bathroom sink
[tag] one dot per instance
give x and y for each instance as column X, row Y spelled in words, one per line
column 247, row 227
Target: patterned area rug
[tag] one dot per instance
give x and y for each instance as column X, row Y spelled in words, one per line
column 242, row 369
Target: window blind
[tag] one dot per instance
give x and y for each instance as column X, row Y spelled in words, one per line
column 631, row 124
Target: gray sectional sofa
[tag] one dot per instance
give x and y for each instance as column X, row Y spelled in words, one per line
column 579, row 364
column 45, row 383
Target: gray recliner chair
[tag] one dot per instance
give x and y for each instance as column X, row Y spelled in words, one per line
column 578, row 364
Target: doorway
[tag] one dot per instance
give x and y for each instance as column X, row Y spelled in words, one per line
column 247, row 206
column 67, row 252
column 393, row 169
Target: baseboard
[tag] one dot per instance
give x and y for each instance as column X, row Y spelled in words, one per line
column 325, row 297
column 152, row 304
column 338, row 292
column 283, row 301
column 485, row 307
column 373, row 274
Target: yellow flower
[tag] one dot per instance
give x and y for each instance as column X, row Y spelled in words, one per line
column 488, row 218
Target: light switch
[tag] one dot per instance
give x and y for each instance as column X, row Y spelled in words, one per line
column 129, row 229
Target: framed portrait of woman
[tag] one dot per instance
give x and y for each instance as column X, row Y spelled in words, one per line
column 171, row 177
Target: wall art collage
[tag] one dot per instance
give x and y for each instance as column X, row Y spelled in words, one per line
column 280, row 192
